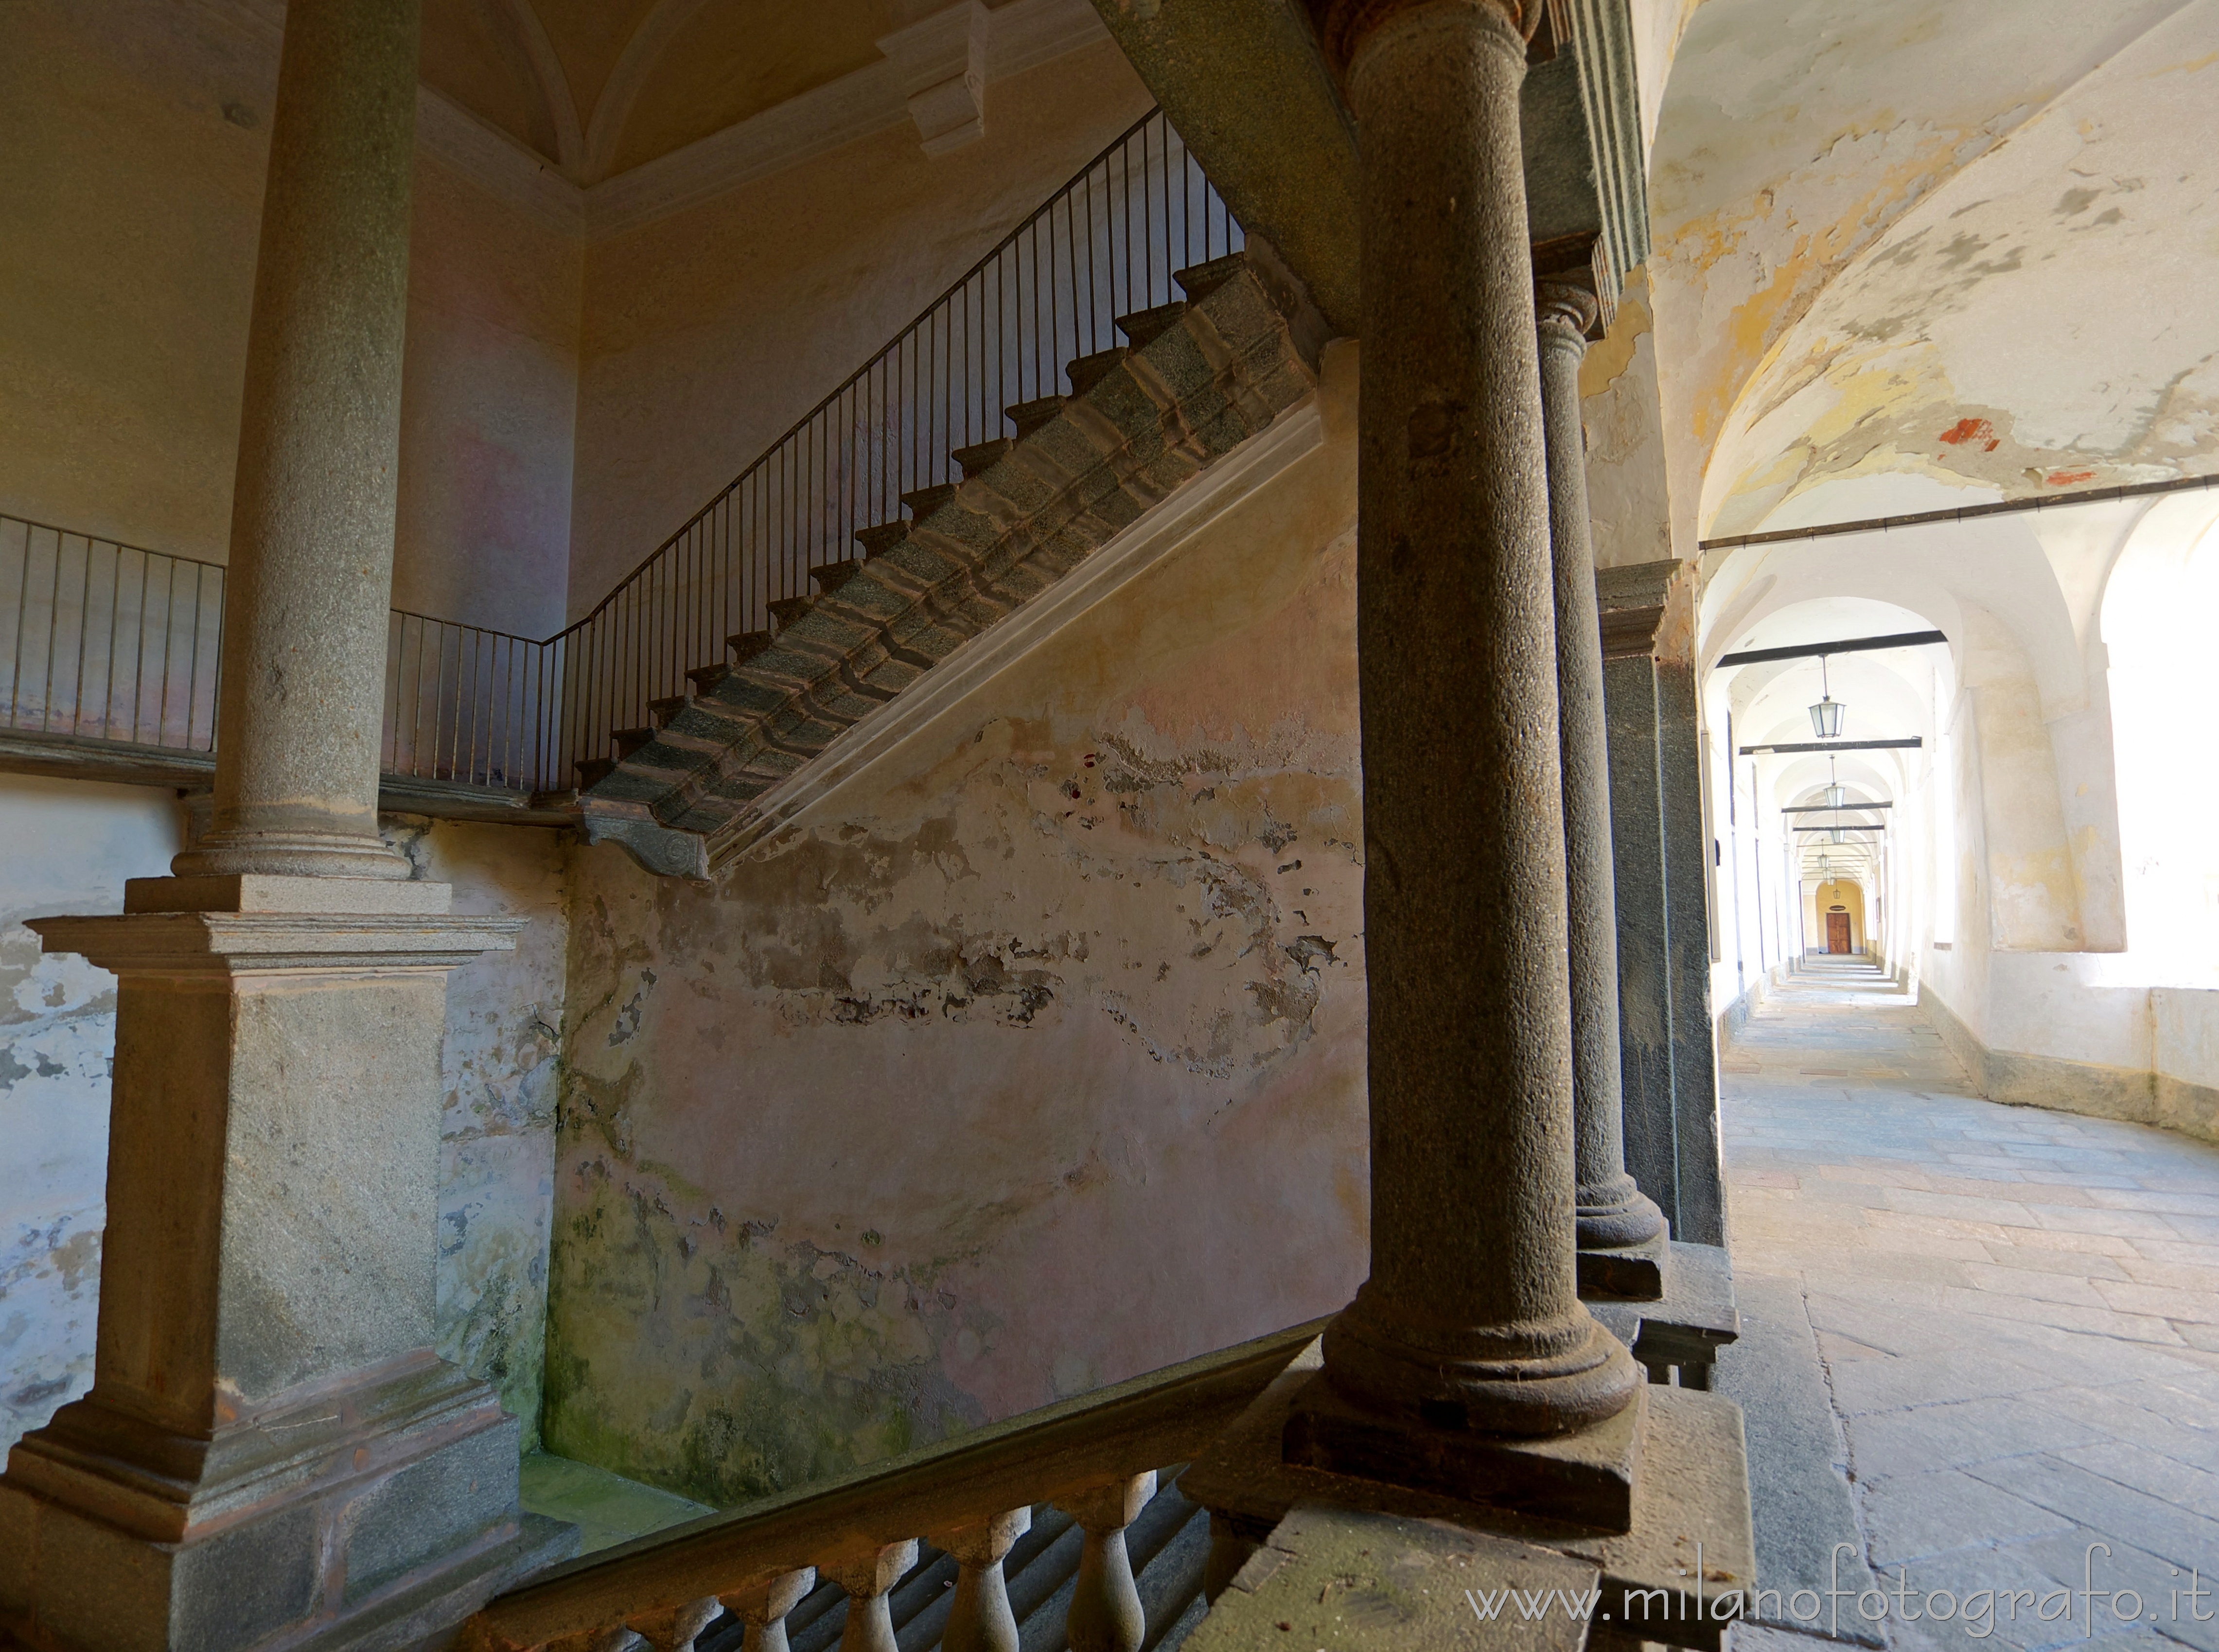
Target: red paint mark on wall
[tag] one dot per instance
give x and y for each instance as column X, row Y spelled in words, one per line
column 1971, row 429
column 2067, row 478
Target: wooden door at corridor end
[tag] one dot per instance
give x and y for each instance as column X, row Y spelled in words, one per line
column 1838, row 932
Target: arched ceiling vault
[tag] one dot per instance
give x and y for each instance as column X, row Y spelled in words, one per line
column 1911, row 254
column 596, row 87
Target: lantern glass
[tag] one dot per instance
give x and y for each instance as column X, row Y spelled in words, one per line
column 1839, row 836
column 1836, row 795
column 1826, row 718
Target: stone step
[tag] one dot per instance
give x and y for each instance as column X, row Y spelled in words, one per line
column 1088, row 371
column 1227, row 353
column 1029, row 416
column 878, row 541
column 660, row 711
column 1143, row 328
column 705, row 678
column 591, row 771
column 982, row 456
column 923, row 501
column 629, row 741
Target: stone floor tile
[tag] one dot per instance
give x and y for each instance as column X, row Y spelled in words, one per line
column 2077, row 1559
column 1931, row 1379
column 2067, row 1316
column 2169, row 1301
column 1916, row 1516
column 2041, row 1284
column 2185, row 1204
column 2106, row 1507
column 1962, row 1207
column 1952, row 1436
column 2150, row 1472
column 2057, row 1259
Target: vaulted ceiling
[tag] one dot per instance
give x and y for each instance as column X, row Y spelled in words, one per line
column 597, row 87
column 1911, row 254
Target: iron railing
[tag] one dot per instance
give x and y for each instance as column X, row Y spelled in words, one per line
column 110, row 642
column 113, row 643
column 1103, row 245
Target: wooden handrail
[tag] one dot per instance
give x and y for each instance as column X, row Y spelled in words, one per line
column 1114, row 1434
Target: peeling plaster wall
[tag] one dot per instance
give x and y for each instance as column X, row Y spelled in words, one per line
column 137, row 136
column 1629, row 502
column 1027, row 1060
column 70, row 846
column 501, row 1065
column 707, row 334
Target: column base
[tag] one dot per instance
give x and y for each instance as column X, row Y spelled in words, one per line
column 1586, row 1477
column 367, row 1513
column 1671, row 1577
column 1681, row 1330
column 1638, row 1271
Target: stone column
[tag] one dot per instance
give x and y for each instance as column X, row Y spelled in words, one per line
column 1614, row 1215
column 271, row 1452
column 310, row 576
column 1468, row 1327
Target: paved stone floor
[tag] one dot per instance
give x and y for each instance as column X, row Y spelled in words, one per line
column 2016, row 1312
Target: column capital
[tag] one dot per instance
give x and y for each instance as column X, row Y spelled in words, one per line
column 1344, row 25
column 1566, row 307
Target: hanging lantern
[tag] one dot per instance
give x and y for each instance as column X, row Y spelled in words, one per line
column 1836, row 795
column 1826, row 715
column 1838, row 836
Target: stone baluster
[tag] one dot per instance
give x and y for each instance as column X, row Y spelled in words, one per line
column 672, row 1629
column 1468, row 1334
column 762, row 1606
column 1106, row 1615
column 868, row 1580
column 1612, row 1214
column 980, row 1619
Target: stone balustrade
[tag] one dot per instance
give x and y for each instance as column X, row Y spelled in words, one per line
column 1094, row 1457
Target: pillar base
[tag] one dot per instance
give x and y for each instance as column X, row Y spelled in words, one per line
column 1682, row 1330
column 367, row 1513
column 1657, row 1585
column 1585, row 1478
column 1638, row 1272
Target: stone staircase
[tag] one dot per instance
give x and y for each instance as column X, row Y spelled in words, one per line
column 1197, row 377
column 1167, row 1546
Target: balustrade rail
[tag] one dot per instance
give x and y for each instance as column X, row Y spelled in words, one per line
column 1094, row 1457
column 113, row 643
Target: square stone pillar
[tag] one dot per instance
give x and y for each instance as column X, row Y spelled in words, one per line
column 271, row 1447
column 1667, row 1053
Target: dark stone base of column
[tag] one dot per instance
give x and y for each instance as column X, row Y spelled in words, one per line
column 1656, row 1585
column 1681, row 1330
column 1584, row 1478
column 368, row 1515
column 1638, row 1271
